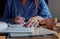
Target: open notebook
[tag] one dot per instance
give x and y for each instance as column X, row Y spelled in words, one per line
column 40, row 31
column 17, row 28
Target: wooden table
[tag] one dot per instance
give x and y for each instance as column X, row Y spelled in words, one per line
column 42, row 37
column 58, row 34
column 2, row 37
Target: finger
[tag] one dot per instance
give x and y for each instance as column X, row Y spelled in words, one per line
column 26, row 25
column 29, row 25
column 20, row 18
column 17, row 17
column 23, row 18
column 21, row 21
column 30, row 22
column 37, row 23
column 33, row 24
column 18, row 21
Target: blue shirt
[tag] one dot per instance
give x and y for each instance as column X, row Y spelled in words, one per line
column 15, row 7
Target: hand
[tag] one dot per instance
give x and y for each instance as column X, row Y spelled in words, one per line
column 19, row 20
column 34, row 21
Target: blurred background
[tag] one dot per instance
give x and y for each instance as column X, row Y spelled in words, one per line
column 54, row 6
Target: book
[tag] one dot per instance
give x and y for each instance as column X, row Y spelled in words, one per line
column 12, row 28
column 37, row 32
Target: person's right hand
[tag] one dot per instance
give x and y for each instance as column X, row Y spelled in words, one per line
column 19, row 20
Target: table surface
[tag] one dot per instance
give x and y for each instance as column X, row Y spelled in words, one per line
column 2, row 37
column 45, row 37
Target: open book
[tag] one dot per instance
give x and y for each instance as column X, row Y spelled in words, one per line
column 38, row 32
column 18, row 28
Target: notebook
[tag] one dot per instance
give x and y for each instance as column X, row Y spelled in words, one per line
column 38, row 32
column 18, row 28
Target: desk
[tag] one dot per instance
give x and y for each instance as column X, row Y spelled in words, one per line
column 38, row 37
column 58, row 34
column 46, row 37
column 2, row 37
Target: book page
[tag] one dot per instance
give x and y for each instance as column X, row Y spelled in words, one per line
column 18, row 28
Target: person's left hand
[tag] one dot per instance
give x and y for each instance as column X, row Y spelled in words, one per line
column 34, row 21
